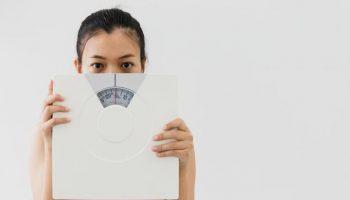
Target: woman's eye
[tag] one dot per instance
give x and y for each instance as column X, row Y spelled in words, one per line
column 97, row 65
column 127, row 65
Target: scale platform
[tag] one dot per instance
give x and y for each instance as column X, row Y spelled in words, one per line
column 105, row 151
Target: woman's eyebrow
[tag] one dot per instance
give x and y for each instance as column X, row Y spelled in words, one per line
column 98, row 56
column 126, row 56
column 121, row 57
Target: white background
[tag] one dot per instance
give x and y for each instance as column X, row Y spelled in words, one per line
column 264, row 88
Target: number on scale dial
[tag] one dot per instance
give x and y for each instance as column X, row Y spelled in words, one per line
column 115, row 96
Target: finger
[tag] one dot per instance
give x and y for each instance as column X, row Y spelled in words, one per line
column 51, row 87
column 51, row 99
column 176, row 123
column 47, row 126
column 175, row 153
column 176, row 145
column 173, row 134
column 49, row 110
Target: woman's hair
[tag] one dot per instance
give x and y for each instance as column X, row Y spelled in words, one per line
column 107, row 20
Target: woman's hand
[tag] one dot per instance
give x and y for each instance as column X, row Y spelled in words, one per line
column 41, row 151
column 182, row 147
column 47, row 122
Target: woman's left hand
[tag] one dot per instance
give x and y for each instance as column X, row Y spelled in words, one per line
column 182, row 147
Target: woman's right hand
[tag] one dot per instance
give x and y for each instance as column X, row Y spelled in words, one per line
column 47, row 121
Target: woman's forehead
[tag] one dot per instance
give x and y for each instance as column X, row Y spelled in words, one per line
column 113, row 45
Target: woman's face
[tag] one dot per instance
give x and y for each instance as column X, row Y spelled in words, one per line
column 115, row 52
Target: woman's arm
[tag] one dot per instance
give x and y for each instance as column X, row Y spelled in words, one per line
column 40, row 170
column 187, row 180
column 36, row 163
column 47, row 179
column 41, row 151
column 182, row 148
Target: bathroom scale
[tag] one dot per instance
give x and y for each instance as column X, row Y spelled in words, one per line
column 105, row 151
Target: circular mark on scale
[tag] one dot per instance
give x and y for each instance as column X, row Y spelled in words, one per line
column 115, row 133
column 115, row 124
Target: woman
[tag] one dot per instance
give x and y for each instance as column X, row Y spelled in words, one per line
column 109, row 41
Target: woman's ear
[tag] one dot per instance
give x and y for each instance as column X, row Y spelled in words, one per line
column 77, row 66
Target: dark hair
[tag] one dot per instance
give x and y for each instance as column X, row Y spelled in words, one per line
column 108, row 20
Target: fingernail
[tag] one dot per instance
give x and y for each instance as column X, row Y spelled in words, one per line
column 68, row 119
column 155, row 148
column 60, row 96
column 67, row 109
column 155, row 137
column 165, row 127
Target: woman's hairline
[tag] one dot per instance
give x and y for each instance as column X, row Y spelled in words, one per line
column 131, row 33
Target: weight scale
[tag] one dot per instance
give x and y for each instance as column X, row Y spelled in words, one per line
column 105, row 151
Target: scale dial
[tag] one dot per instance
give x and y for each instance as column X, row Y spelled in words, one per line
column 115, row 96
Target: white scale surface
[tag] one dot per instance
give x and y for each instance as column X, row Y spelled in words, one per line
column 105, row 151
